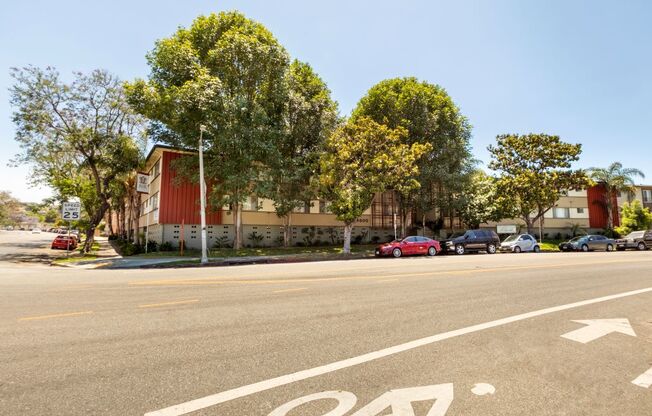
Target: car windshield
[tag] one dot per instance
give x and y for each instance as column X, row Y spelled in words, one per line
column 576, row 239
column 511, row 238
column 636, row 234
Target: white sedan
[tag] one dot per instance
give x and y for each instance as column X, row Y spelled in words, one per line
column 517, row 243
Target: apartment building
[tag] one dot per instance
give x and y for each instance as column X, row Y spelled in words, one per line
column 170, row 213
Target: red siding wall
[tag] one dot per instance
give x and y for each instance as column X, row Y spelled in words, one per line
column 597, row 211
column 181, row 202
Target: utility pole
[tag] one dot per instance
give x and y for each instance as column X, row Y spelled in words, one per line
column 202, row 195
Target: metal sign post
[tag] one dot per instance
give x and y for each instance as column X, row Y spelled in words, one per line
column 71, row 211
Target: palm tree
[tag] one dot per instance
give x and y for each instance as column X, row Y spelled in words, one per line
column 615, row 179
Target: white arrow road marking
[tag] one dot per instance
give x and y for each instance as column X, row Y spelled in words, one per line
column 644, row 380
column 401, row 401
column 597, row 328
column 482, row 389
column 239, row 392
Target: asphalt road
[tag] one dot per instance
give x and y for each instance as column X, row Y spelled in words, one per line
column 470, row 335
column 25, row 247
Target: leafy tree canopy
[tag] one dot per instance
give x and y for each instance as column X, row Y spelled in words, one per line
column 535, row 170
column 78, row 137
column 430, row 116
column 616, row 179
column 225, row 72
column 361, row 159
column 634, row 217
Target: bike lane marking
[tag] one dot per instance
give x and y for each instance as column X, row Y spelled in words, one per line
column 243, row 391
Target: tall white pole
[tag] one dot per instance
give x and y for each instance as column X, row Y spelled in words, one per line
column 202, row 196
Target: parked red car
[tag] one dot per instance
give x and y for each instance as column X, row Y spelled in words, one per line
column 64, row 242
column 413, row 245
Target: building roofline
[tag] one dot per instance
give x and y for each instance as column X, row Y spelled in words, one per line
column 167, row 147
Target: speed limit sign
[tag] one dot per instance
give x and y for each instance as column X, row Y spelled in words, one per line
column 71, row 211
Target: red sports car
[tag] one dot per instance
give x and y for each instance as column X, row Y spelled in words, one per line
column 64, row 242
column 412, row 245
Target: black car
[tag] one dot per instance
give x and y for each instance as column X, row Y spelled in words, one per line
column 473, row 241
column 639, row 240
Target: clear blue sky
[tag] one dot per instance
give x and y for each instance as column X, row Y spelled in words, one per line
column 579, row 69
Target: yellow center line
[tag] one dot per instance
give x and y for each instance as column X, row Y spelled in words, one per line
column 178, row 302
column 208, row 282
column 291, row 290
column 58, row 315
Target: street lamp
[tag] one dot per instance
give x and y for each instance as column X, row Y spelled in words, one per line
column 202, row 196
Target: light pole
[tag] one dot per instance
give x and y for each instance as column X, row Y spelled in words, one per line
column 202, row 196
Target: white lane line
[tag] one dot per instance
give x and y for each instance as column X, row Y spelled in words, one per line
column 644, row 380
column 239, row 392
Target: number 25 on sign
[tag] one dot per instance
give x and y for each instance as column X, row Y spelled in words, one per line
column 71, row 211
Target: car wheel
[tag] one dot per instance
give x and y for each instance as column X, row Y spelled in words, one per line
column 432, row 251
column 585, row 248
column 397, row 252
column 610, row 247
column 491, row 249
column 517, row 249
column 537, row 249
column 459, row 249
column 641, row 246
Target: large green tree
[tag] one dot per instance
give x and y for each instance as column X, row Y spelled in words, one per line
column 225, row 72
column 479, row 202
column 535, row 171
column 8, row 206
column 362, row 158
column 78, row 137
column 616, row 179
column 634, row 217
column 309, row 118
column 430, row 116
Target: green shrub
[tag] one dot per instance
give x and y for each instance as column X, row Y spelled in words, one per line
column 222, row 242
column 256, row 239
column 166, row 246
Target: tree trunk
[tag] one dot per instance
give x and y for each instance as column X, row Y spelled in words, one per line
column 94, row 222
column 423, row 223
column 348, row 228
column 610, row 210
column 109, row 220
column 529, row 224
column 287, row 231
column 123, row 219
column 237, row 222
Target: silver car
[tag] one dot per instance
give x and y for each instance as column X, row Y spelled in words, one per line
column 589, row 243
column 518, row 243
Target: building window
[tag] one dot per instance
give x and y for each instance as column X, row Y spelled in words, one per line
column 322, row 207
column 251, row 204
column 580, row 210
column 306, row 207
column 155, row 170
column 154, row 201
column 560, row 212
column 647, row 195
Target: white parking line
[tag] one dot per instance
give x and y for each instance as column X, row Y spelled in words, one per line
column 239, row 392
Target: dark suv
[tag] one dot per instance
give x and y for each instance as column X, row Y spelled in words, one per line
column 639, row 240
column 473, row 241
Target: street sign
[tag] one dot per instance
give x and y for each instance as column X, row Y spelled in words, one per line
column 71, row 211
column 142, row 183
column 506, row 229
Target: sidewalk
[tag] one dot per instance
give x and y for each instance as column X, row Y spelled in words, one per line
column 118, row 262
